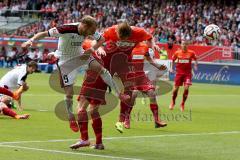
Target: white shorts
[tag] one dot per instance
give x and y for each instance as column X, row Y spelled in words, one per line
column 68, row 72
column 152, row 72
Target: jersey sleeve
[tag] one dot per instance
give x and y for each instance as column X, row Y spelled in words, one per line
column 150, row 53
column 58, row 31
column 174, row 56
column 194, row 57
column 97, row 36
column 106, row 34
column 142, row 34
column 22, row 78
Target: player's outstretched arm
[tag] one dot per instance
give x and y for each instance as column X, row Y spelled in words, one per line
column 153, row 63
column 100, row 51
column 37, row 36
column 94, row 47
column 195, row 65
column 19, row 104
column 151, row 43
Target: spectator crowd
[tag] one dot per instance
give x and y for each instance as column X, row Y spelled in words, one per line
column 169, row 21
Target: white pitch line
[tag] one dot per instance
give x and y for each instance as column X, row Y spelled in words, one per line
column 66, row 152
column 175, row 135
column 57, row 95
column 129, row 137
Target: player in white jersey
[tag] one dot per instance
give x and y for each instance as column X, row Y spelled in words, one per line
column 16, row 79
column 69, row 49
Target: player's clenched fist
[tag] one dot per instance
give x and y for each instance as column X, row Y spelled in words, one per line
column 29, row 43
column 162, row 67
column 25, row 86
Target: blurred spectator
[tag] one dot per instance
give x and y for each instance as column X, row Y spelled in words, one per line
column 31, row 55
column 170, row 21
column 163, row 54
column 11, row 56
column 44, row 56
column 38, row 55
column 3, row 54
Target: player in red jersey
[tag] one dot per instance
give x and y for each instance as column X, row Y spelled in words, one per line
column 92, row 95
column 142, row 83
column 15, row 95
column 6, row 110
column 120, row 40
column 183, row 58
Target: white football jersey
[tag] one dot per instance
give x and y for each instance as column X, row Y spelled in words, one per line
column 14, row 78
column 70, row 42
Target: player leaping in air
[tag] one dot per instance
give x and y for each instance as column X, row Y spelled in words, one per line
column 183, row 59
column 71, row 37
column 120, row 40
column 140, row 82
column 92, row 95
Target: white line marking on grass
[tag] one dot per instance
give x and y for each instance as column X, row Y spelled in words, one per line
column 66, row 152
column 129, row 137
column 175, row 135
column 57, row 95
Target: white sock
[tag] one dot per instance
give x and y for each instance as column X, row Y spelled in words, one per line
column 107, row 78
column 69, row 104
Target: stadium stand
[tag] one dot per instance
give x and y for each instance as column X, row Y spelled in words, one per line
column 169, row 21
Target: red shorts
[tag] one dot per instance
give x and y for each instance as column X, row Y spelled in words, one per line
column 93, row 89
column 142, row 84
column 181, row 79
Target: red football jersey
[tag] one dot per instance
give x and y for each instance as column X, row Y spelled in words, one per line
column 114, row 44
column 137, row 59
column 184, row 61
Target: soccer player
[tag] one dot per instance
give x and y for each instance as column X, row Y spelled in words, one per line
column 71, row 37
column 183, row 59
column 16, row 79
column 120, row 40
column 15, row 95
column 140, row 82
column 5, row 110
column 92, row 95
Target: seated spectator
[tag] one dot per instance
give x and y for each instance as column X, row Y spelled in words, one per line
column 3, row 54
column 163, row 54
column 38, row 55
column 44, row 56
column 11, row 56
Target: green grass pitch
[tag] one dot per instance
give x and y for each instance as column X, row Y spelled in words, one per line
column 209, row 129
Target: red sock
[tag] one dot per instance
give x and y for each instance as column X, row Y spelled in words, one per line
column 97, row 126
column 83, row 124
column 123, row 111
column 185, row 95
column 129, row 110
column 9, row 112
column 174, row 96
column 154, row 109
column 6, row 92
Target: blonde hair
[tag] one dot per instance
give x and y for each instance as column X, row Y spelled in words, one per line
column 89, row 21
column 124, row 30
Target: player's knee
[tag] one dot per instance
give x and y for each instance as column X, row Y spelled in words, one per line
column 186, row 87
column 151, row 94
column 6, row 100
column 176, row 88
column 82, row 109
column 94, row 111
column 2, row 105
column 69, row 96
